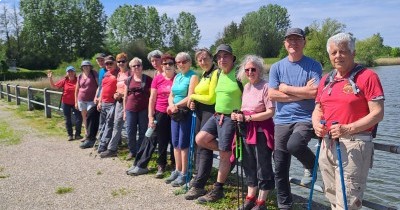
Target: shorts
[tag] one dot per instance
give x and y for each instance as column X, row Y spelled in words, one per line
column 85, row 105
column 357, row 157
column 224, row 132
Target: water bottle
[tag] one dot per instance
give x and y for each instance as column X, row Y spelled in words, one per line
column 150, row 130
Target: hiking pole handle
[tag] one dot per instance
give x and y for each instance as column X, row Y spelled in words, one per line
column 314, row 175
column 339, row 156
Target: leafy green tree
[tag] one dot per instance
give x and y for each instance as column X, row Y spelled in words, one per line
column 168, row 29
column 395, row 52
column 369, row 49
column 187, row 33
column 317, row 36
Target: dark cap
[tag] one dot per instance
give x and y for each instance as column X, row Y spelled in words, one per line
column 223, row 47
column 109, row 58
column 294, row 31
column 100, row 55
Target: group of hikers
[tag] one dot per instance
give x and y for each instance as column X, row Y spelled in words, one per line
column 230, row 106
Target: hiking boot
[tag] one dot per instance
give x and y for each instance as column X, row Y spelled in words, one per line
column 214, row 195
column 307, row 177
column 179, row 181
column 172, row 177
column 70, row 138
column 130, row 156
column 140, row 171
column 160, row 172
column 195, row 193
column 249, row 203
column 101, row 149
column 108, row 153
column 77, row 137
column 87, row 144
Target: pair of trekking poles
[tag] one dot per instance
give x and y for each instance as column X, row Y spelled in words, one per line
column 314, row 175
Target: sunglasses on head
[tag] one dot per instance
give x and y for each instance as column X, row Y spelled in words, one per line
column 122, row 61
column 168, row 64
column 136, row 66
column 182, row 62
column 250, row 70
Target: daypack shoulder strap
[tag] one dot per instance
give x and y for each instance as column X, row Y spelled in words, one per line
column 331, row 77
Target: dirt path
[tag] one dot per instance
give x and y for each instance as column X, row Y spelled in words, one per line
column 39, row 165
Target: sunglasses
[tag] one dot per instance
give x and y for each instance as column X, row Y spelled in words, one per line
column 250, row 70
column 168, row 64
column 123, row 61
column 136, row 66
column 182, row 62
column 109, row 63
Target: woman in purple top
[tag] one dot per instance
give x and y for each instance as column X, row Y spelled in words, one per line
column 158, row 120
column 258, row 111
column 86, row 90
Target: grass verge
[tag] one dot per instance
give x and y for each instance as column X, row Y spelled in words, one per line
column 8, row 136
column 64, row 190
column 120, row 192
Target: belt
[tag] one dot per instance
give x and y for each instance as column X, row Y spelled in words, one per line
column 362, row 136
column 219, row 113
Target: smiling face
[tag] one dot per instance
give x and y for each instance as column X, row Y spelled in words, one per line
column 183, row 64
column 136, row 67
column 341, row 57
column 204, row 61
column 294, row 44
column 225, row 60
column 252, row 72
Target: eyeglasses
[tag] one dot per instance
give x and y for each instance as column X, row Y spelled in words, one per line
column 123, row 61
column 109, row 63
column 136, row 66
column 250, row 70
column 168, row 64
column 182, row 62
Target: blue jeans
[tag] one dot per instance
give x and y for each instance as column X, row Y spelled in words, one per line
column 133, row 121
column 68, row 110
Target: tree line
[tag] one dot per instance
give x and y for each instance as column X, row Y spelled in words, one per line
column 45, row 33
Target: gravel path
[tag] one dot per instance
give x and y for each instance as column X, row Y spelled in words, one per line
column 40, row 164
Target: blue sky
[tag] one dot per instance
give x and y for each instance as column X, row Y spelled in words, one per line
column 363, row 18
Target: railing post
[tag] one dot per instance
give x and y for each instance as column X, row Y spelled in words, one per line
column 8, row 93
column 47, row 109
column 29, row 97
column 1, row 90
column 17, row 93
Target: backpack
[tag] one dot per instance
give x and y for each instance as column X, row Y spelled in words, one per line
column 239, row 83
column 142, row 84
column 330, row 80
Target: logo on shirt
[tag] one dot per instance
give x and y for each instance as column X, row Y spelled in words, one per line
column 347, row 89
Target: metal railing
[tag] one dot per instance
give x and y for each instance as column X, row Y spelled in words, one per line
column 16, row 94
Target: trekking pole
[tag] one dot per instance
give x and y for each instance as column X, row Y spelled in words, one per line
column 237, row 142
column 314, row 175
column 241, row 157
column 339, row 156
column 191, row 151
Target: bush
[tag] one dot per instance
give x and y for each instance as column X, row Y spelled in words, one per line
column 38, row 98
column 21, row 75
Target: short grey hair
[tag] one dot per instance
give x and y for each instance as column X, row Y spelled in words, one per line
column 256, row 61
column 342, row 38
column 184, row 55
column 135, row 60
column 154, row 53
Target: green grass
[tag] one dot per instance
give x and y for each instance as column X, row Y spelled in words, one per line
column 8, row 136
column 120, row 192
column 64, row 190
column 3, row 176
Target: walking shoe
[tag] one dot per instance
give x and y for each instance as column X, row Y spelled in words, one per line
column 131, row 170
column 160, row 172
column 77, row 137
column 108, row 153
column 179, row 181
column 214, row 195
column 172, row 177
column 130, row 156
column 139, row 171
column 195, row 193
column 260, row 205
column 70, row 138
column 87, row 144
column 249, row 203
column 307, row 177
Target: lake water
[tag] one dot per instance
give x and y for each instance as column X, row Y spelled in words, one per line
column 383, row 186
